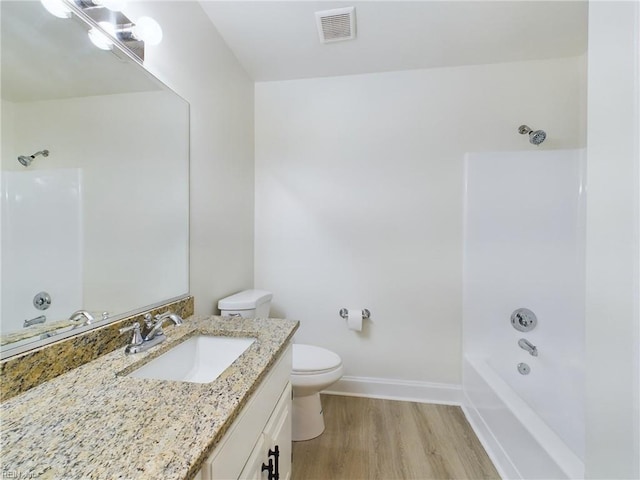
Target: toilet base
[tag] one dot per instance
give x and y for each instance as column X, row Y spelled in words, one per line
column 307, row 420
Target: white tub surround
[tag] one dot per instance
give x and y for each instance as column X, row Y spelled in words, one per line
column 42, row 227
column 524, row 248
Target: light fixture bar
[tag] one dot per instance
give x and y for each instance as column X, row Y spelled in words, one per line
column 108, row 27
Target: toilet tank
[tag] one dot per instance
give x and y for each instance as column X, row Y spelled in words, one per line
column 248, row 304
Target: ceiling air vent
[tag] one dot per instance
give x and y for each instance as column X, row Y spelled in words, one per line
column 336, row 25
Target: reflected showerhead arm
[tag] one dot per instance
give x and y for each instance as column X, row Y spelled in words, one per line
column 522, row 129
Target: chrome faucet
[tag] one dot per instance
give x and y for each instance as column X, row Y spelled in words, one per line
column 155, row 335
column 528, row 346
column 81, row 318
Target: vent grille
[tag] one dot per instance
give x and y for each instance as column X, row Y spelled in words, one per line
column 336, row 25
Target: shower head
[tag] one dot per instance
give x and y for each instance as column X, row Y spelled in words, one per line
column 26, row 161
column 535, row 137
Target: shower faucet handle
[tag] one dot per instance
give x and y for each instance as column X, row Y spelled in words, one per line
column 524, row 320
column 42, row 301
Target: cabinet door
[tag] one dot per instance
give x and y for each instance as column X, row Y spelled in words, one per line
column 253, row 468
column 229, row 459
column 278, row 433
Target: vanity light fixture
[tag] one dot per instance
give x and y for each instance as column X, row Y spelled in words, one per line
column 99, row 38
column 57, row 8
column 108, row 25
column 146, row 30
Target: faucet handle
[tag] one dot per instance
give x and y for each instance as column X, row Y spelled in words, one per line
column 136, row 339
column 148, row 320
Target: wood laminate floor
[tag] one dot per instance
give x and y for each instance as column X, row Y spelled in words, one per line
column 371, row 439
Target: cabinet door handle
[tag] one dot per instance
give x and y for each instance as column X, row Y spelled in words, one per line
column 268, row 468
column 276, row 455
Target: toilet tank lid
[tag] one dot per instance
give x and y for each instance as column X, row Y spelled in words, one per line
column 245, row 300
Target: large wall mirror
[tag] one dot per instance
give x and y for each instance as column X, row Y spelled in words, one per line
column 94, row 179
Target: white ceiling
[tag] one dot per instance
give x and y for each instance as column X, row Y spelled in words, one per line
column 279, row 40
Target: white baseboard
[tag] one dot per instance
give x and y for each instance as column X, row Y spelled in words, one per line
column 390, row 389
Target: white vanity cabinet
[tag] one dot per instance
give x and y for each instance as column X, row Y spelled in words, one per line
column 271, row 457
column 260, row 435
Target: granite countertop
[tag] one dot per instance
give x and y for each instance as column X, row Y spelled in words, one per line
column 93, row 423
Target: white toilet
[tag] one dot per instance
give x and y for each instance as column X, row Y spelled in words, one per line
column 314, row 368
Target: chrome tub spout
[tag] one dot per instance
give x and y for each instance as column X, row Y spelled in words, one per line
column 528, row 346
column 34, row 321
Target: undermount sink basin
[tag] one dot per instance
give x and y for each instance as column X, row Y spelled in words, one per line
column 199, row 359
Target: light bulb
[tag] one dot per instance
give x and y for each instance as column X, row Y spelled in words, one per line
column 99, row 39
column 57, row 8
column 148, row 30
column 113, row 5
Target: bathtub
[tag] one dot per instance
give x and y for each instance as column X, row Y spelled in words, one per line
column 519, row 442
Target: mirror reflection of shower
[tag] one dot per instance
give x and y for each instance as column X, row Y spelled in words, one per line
column 26, row 161
column 536, row 137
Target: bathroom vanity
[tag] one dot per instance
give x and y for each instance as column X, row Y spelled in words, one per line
column 260, row 438
column 96, row 421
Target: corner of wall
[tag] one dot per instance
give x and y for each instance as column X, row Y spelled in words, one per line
column 613, row 205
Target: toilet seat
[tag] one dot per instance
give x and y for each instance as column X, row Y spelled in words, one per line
column 312, row 360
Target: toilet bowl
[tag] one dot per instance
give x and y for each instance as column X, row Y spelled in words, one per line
column 314, row 368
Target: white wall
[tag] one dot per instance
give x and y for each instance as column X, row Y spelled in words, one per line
column 195, row 62
column 613, row 210
column 359, row 199
column 7, row 143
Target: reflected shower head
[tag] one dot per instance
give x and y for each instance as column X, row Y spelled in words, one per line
column 26, row 161
column 535, row 137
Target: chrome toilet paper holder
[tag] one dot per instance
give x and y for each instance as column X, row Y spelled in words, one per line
column 344, row 313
